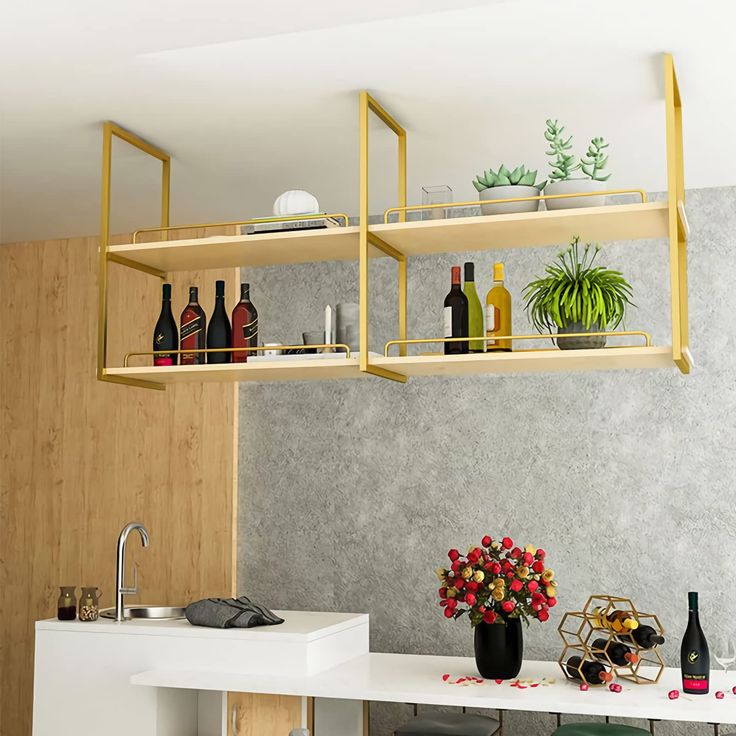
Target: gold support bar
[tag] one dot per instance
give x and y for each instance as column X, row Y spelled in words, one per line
column 150, row 270
column 367, row 105
column 110, row 129
column 189, row 351
column 677, row 232
column 623, row 333
column 472, row 203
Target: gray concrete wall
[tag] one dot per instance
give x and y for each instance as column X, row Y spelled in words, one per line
column 352, row 492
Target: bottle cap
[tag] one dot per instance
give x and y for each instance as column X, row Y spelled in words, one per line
column 499, row 272
column 470, row 271
column 166, row 291
column 193, row 293
column 631, row 624
column 456, row 274
column 219, row 288
column 692, row 601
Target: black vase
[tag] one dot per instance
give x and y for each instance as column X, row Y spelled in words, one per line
column 499, row 649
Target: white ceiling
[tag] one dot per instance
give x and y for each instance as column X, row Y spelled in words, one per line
column 252, row 99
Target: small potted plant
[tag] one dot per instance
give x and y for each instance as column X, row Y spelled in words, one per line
column 505, row 184
column 564, row 165
column 498, row 584
column 575, row 296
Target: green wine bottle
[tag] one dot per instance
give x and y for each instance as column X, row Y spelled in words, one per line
column 475, row 311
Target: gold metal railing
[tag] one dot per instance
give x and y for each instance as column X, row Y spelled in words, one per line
column 622, row 333
column 189, row 351
column 257, row 221
column 472, row 203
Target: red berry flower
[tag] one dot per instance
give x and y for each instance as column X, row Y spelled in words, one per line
column 507, row 543
column 532, row 585
column 453, row 554
column 515, row 553
column 507, row 606
column 489, row 617
column 516, row 585
column 527, row 558
column 448, row 612
column 486, row 541
column 543, row 615
column 538, row 567
column 470, row 599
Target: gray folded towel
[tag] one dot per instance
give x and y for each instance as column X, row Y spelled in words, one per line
column 226, row 613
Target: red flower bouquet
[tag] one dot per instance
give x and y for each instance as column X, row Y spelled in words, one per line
column 497, row 581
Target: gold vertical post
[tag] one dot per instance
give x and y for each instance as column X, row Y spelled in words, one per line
column 677, row 234
column 403, row 303
column 363, row 231
column 110, row 129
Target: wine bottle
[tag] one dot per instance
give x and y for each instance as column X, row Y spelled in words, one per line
column 165, row 334
column 193, row 333
column 694, row 654
column 245, row 325
column 622, row 622
column 646, row 637
column 498, row 311
column 218, row 331
column 618, row 653
column 456, row 316
column 475, row 311
column 594, row 673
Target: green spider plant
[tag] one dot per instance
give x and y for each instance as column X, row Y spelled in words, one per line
column 574, row 290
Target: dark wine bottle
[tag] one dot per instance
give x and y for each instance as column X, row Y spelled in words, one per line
column 645, row 636
column 218, row 330
column 165, row 334
column 694, row 654
column 594, row 673
column 193, row 333
column 245, row 325
column 618, row 653
column 456, row 316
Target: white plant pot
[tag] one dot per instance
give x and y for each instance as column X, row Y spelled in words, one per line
column 509, row 208
column 572, row 186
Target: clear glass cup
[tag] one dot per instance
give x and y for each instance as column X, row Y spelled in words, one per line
column 66, row 606
column 439, row 194
column 89, row 604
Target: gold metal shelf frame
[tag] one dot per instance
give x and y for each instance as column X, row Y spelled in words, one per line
column 677, row 233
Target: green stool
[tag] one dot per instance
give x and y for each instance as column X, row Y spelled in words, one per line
column 599, row 729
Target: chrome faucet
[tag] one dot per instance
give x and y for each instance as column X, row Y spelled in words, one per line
column 120, row 587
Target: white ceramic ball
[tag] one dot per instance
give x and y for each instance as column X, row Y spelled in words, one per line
column 295, row 202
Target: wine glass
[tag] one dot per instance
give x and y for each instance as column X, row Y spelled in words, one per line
column 724, row 652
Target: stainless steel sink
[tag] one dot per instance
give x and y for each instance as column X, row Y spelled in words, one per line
column 158, row 613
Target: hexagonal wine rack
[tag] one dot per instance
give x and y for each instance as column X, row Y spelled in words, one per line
column 580, row 629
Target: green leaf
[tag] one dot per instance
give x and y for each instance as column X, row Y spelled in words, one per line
column 503, row 171
column 480, row 185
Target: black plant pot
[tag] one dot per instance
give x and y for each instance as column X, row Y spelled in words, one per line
column 499, row 649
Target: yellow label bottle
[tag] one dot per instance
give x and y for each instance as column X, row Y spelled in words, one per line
column 498, row 311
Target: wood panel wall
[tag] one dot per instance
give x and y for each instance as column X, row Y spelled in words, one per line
column 80, row 458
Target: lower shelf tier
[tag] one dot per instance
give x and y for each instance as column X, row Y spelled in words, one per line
column 522, row 361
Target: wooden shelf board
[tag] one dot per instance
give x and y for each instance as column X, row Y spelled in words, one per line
column 281, row 370
column 226, row 251
column 530, row 361
column 594, row 224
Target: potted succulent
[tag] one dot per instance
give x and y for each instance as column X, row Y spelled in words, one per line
column 576, row 296
column 498, row 585
column 564, row 165
column 505, row 184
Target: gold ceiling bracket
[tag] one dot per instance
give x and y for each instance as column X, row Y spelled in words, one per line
column 677, row 222
column 368, row 105
column 110, row 129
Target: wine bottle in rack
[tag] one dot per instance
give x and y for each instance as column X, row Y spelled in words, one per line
column 218, row 330
column 694, row 654
column 594, row 672
column 618, row 653
column 165, row 334
column 476, row 327
column 193, row 332
column 646, row 637
column 455, row 316
column 622, row 622
column 498, row 311
column 245, row 326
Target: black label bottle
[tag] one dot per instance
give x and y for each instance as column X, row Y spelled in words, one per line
column 245, row 325
column 594, row 673
column 218, row 331
column 694, row 654
column 618, row 653
column 455, row 316
column 193, row 333
column 165, row 334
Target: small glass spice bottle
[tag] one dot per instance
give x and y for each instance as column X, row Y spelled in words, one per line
column 89, row 604
column 66, row 606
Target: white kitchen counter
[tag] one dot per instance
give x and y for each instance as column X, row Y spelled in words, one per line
column 404, row 678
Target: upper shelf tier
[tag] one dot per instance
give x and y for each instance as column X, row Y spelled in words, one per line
column 555, row 227
column 609, row 223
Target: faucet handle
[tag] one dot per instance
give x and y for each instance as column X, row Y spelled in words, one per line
column 134, row 589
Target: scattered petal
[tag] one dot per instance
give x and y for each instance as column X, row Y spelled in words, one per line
column 720, row 695
column 445, row 677
column 584, row 686
column 673, row 694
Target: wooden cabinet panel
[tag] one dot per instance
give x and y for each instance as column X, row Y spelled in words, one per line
column 250, row 714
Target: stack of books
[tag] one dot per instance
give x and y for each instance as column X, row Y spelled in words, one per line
column 318, row 221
